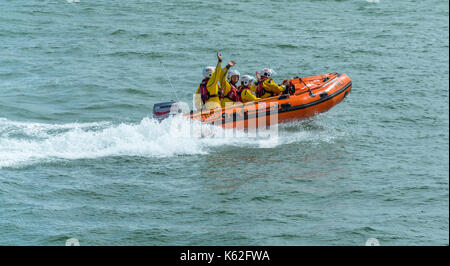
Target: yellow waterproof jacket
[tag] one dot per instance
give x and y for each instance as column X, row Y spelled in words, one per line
column 253, row 87
column 226, row 87
column 247, row 95
column 213, row 88
column 270, row 86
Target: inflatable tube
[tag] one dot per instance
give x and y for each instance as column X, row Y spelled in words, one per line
column 313, row 95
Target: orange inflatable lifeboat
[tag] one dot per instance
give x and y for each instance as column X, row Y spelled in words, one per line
column 309, row 96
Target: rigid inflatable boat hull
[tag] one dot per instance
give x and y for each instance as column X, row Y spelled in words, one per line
column 327, row 91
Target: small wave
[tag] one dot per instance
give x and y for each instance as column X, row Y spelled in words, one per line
column 143, row 36
column 148, row 55
column 118, row 32
column 287, row 46
column 167, row 33
column 136, row 91
column 101, row 106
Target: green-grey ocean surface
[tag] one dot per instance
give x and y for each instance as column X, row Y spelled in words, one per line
column 81, row 156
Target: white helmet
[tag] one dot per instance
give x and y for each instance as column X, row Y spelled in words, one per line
column 267, row 72
column 207, row 71
column 232, row 73
column 246, row 80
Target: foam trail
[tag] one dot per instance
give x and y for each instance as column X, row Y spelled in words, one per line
column 24, row 143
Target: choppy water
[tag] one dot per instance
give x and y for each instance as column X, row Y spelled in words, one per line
column 80, row 155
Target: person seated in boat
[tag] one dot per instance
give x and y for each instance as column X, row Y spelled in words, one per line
column 265, row 86
column 208, row 92
column 229, row 84
column 246, row 89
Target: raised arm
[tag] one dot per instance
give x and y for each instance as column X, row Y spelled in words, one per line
column 215, row 77
column 223, row 78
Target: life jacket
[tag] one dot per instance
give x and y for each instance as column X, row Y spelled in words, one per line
column 204, row 93
column 260, row 91
column 233, row 94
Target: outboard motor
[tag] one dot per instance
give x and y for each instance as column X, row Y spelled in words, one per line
column 163, row 110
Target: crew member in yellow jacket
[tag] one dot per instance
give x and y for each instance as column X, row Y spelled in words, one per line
column 266, row 87
column 208, row 93
column 246, row 90
column 229, row 85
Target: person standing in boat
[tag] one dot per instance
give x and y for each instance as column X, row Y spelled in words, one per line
column 229, row 85
column 265, row 86
column 245, row 91
column 208, row 93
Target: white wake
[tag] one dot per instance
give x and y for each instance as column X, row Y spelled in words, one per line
column 24, row 143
